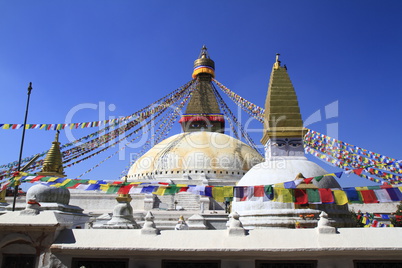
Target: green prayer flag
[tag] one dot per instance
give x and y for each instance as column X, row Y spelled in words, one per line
column 313, row 195
column 318, row 178
column 113, row 189
column 170, row 190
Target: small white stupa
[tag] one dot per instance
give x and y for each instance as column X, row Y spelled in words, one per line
column 285, row 161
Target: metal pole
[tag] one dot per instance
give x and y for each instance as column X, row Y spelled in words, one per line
column 22, row 144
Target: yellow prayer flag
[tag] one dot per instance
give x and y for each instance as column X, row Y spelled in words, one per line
column 17, row 179
column 340, row 197
column 228, row 191
column 217, row 194
column 92, row 182
column 181, row 185
column 52, row 179
column 104, row 187
column 160, row 190
column 283, row 195
column 65, row 182
column 279, row 185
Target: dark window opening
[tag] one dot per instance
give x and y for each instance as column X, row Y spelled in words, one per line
column 378, row 264
column 100, row 263
column 286, row 264
column 190, row 264
column 18, row 261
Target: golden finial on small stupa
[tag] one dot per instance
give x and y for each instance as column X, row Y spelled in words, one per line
column 124, row 197
column 277, row 63
column 53, row 163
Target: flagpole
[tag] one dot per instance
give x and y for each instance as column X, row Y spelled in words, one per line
column 22, row 144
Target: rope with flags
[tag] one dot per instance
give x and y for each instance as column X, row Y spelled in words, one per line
column 286, row 192
column 89, row 146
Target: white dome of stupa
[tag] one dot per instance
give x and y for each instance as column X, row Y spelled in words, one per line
column 196, row 155
column 280, row 170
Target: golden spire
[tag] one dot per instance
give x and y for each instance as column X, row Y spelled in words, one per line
column 282, row 117
column 53, row 164
column 202, row 112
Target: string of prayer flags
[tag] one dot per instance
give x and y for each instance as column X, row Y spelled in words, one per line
column 286, row 192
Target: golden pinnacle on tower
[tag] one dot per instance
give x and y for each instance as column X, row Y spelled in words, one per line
column 202, row 112
column 53, row 164
column 282, row 118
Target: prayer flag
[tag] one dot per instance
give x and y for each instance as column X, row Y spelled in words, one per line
column 160, row 190
column 269, row 192
column 368, row 196
column 228, row 191
column 382, row 196
column 394, row 194
column 338, row 174
column 283, row 195
column 301, row 196
column 318, row 178
column 183, row 189
column 326, row 196
column 124, row 189
column 208, row 191
column 353, row 195
column 148, row 189
column 135, row 190
column 112, row 189
column 238, row 192
column 313, row 196
column 289, row 185
column 217, row 193
column 358, row 171
column 308, row 180
column 82, row 186
column 248, row 193
column 259, row 191
column 171, row 190
column 340, row 197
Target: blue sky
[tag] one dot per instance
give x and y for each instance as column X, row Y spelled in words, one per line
column 129, row 53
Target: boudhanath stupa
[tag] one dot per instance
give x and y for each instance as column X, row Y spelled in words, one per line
column 202, row 198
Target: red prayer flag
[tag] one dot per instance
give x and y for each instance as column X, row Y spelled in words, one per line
column 259, row 191
column 358, row 171
column 36, row 178
column 183, row 189
column 308, row 180
column 368, row 196
column 301, row 196
column 125, row 189
column 326, row 196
